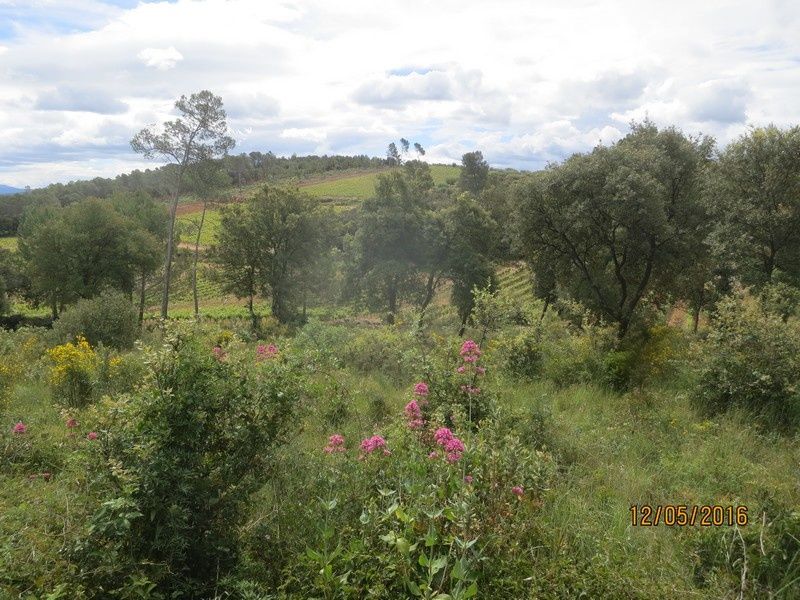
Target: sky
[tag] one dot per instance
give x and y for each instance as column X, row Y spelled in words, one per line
column 526, row 82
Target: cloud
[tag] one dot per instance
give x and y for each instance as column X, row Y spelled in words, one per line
column 720, row 102
column 83, row 100
column 525, row 82
column 160, row 58
column 396, row 91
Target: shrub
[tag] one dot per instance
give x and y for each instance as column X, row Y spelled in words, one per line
column 74, row 372
column 184, row 451
column 751, row 359
column 110, row 319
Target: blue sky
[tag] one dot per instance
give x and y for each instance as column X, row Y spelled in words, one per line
column 527, row 82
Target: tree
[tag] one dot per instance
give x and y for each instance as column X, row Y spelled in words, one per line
column 618, row 222
column 199, row 134
column 238, row 252
column 268, row 244
column 474, row 172
column 389, row 246
column 148, row 238
column 755, row 195
column 78, row 251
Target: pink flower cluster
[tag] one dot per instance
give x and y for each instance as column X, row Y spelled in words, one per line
column 470, row 351
column 219, row 353
column 453, row 446
column 421, row 389
column 470, row 389
column 335, row 444
column 72, row 423
column 517, row 491
column 263, row 351
column 414, row 415
column 371, row 444
column 19, row 428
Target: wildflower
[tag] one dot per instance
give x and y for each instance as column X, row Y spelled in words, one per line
column 335, row 444
column 452, row 445
column 19, row 428
column 470, row 389
column 421, row 389
column 414, row 414
column 219, row 353
column 269, row 351
column 468, row 479
column 376, row 442
column 517, row 491
column 433, row 455
column 92, row 435
column 461, row 369
column 442, row 435
column 72, row 423
column 480, row 370
column 470, row 351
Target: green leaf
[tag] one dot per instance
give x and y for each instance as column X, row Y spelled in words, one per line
column 471, row 591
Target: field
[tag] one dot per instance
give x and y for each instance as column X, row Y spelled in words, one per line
column 361, row 187
column 8, row 243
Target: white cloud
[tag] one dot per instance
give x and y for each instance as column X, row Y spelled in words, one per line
column 160, row 58
column 525, row 82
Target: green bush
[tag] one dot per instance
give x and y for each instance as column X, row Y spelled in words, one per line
column 751, row 359
column 184, row 452
column 110, row 319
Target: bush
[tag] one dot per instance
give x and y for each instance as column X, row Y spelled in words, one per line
column 184, row 452
column 751, row 359
column 110, row 319
column 74, row 373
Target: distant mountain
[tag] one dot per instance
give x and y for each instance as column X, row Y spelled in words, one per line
column 7, row 189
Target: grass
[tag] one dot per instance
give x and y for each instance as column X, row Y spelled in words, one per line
column 8, row 243
column 188, row 223
column 361, row 187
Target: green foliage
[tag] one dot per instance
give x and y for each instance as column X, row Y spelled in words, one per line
column 474, row 172
column 78, row 251
column 612, row 225
column 751, row 359
column 185, row 451
column 755, row 194
column 269, row 244
column 109, row 319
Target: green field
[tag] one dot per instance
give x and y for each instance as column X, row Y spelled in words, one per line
column 361, row 187
column 8, row 243
column 188, row 227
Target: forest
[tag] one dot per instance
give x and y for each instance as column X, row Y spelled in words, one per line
column 249, row 376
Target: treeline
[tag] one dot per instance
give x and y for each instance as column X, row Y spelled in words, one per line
column 238, row 170
column 625, row 230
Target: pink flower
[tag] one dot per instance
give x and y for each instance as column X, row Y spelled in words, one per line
column 335, row 444
column 19, row 428
column 470, row 351
column 72, row 423
column 453, row 446
column 219, row 353
column 92, row 435
column 517, row 491
column 470, row 389
column 414, row 415
column 480, row 370
column 433, row 455
column 461, row 369
column 468, row 479
column 369, row 445
column 442, row 435
column 421, row 389
column 263, row 351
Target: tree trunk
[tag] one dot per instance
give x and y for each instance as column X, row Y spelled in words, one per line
column 391, row 293
column 141, row 297
column 544, row 309
column 173, row 209
column 463, row 327
column 250, row 310
column 430, row 288
column 194, row 265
